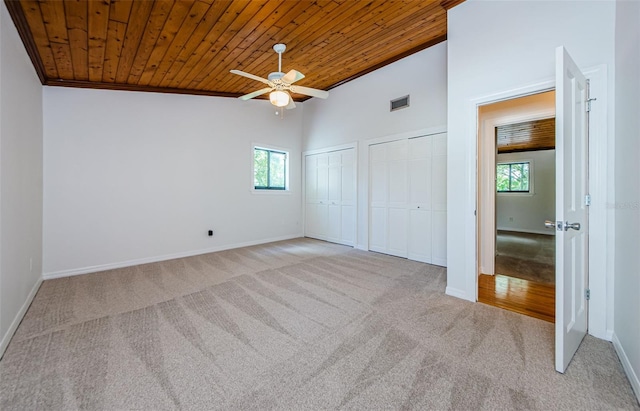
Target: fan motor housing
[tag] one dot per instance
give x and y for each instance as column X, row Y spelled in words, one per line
column 276, row 75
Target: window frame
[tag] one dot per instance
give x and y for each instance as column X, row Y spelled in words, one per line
column 530, row 192
column 268, row 189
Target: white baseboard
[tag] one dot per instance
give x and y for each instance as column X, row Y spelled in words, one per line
column 361, row 247
column 455, row 292
column 628, row 368
column 4, row 343
column 147, row 260
column 609, row 335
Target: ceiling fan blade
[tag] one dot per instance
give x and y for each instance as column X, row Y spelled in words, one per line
column 291, row 104
column 308, row 91
column 292, row 76
column 255, row 93
column 251, row 76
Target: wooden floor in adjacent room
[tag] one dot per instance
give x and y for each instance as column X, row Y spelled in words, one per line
column 522, row 296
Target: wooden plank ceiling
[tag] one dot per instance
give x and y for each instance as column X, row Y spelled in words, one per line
column 189, row 46
column 527, row 136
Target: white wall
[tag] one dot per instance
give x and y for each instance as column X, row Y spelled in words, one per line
column 134, row 177
column 20, row 179
column 527, row 212
column 359, row 111
column 627, row 203
column 488, row 60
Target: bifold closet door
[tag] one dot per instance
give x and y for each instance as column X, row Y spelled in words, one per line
column 330, row 196
column 420, row 214
column 315, row 190
column 407, row 213
column 388, row 191
column 439, row 200
column 348, row 197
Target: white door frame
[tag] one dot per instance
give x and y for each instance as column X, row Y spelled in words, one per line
column 601, row 239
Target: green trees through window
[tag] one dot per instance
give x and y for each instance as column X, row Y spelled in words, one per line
column 512, row 177
column 269, row 169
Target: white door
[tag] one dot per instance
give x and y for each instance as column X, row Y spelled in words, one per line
column 378, row 198
column 397, row 198
column 439, row 200
column 348, row 198
column 388, row 198
column 420, row 226
column 311, row 196
column 330, row 197
column 334, row 198
column 407, row 214
column 571, row 210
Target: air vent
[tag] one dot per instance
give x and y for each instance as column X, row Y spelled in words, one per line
column 399, row 103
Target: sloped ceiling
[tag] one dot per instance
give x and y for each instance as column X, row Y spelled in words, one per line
column 189, row 46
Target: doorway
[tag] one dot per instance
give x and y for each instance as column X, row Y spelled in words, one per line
column 516, row 268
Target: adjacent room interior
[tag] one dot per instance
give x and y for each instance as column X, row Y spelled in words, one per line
column 516, row 196
column 318, row 205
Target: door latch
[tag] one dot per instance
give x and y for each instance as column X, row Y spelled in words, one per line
column 554, row 224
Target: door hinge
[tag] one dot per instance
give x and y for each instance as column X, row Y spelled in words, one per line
column 587, row 200
column 587, row 294
column 587, row 105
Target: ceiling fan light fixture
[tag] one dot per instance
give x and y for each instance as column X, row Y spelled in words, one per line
column 279, row 98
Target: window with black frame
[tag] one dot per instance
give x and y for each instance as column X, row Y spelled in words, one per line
column 269, row 169
column 513, row 177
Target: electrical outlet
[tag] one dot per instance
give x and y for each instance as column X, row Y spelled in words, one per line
column 511, row 219
column 210, row 233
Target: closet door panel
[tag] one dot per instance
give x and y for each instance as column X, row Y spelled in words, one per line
column 310, row 220
column 439, row 178
column 335, row 177
column 397, row 231
column 378, row 229
column 419, row 236
column 439, row 238
column 397, row 196
column 323, row 177
column 408, row 198
column 322, row 218
column 378, row 187
column 330, row 197
column 311, row 178
column 348, row 177
column 420, row 147
column 420, row 183
column 334, row 223
column 440, row 144
column 348, row 230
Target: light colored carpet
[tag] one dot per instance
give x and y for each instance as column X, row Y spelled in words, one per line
column 527, row 256
column 293, row 325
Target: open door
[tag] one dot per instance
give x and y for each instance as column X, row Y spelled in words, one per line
column 571, row 208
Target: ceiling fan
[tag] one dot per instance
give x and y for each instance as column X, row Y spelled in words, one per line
column 281, row 84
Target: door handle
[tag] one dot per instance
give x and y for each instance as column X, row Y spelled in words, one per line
column 559, row 225
column 575, row 226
